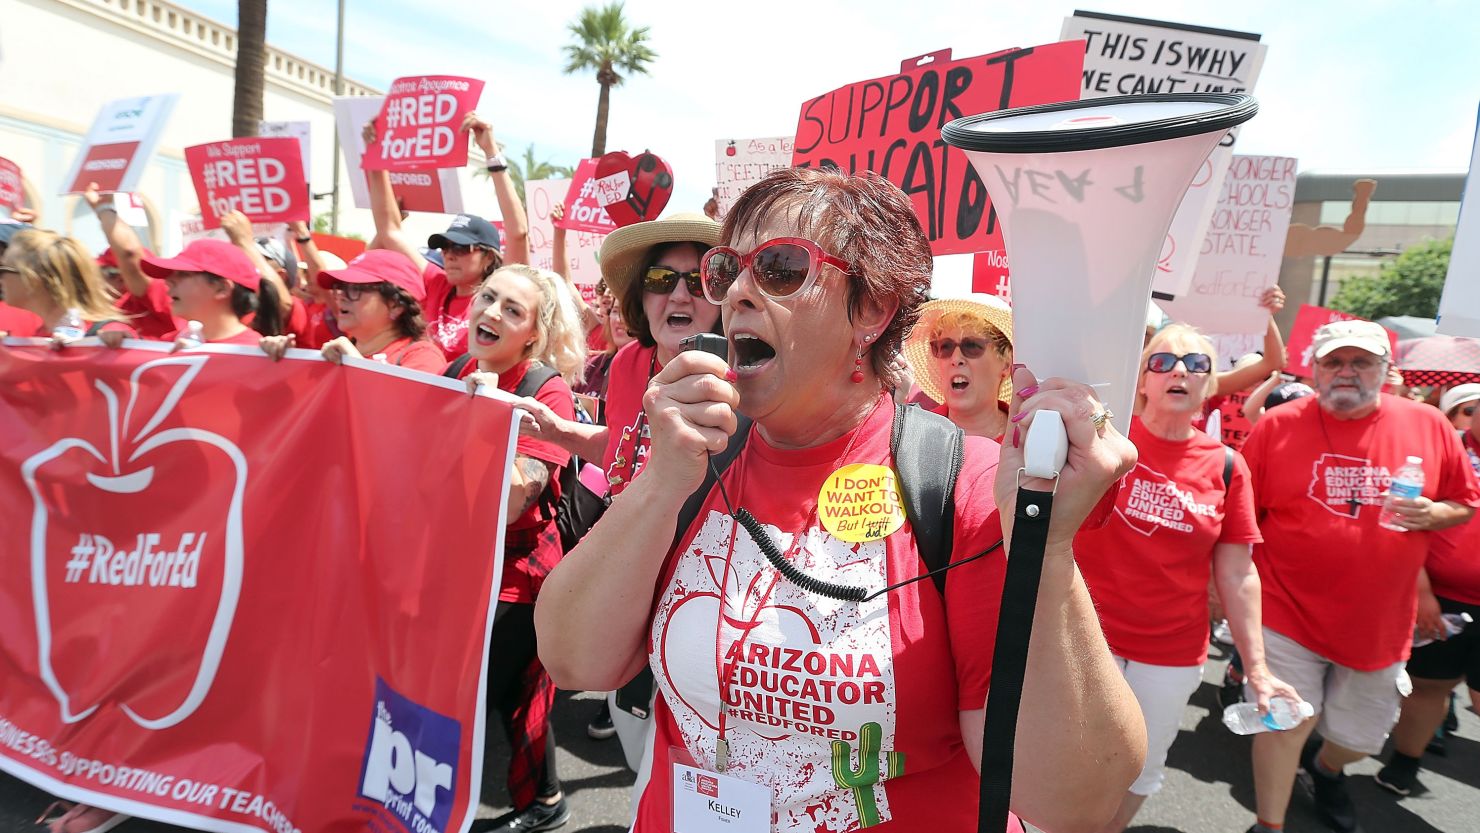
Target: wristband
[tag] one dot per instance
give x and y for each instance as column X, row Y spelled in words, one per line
column 496, row 163
column 104, row 208
column 304, row 240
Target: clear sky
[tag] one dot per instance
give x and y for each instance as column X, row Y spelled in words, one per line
column 1366, row 85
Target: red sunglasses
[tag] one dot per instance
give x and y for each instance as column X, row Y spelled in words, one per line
column 781, row 268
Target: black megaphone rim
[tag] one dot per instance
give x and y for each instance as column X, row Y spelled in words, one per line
column 1236, row 109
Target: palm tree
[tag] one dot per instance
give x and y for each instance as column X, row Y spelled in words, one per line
column 527, row 168
column 605, row 43
column 251, row 61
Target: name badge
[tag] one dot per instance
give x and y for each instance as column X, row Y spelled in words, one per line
column 710, row 802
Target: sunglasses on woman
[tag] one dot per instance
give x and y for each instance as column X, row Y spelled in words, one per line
column 660, row 280
column 1194, row 362
column 781, row 268
column 971, row 348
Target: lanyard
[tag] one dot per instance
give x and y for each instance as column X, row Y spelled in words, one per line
column 622, row 469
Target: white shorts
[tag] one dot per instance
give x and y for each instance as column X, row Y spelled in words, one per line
column 1162, row 692
column 1357, row 709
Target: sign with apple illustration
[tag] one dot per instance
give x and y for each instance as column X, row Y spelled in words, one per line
column 128, row 531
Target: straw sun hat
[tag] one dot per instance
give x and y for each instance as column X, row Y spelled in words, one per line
column 990, row 308
column 625, row 251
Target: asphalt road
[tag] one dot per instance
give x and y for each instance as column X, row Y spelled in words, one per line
column 1208, row 789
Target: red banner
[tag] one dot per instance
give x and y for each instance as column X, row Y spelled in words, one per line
column 583, row 208
column 420, row 123
column 1300, row 347
column 243, row 594
column 261, row 178
column 12, row 194
column 892, row 126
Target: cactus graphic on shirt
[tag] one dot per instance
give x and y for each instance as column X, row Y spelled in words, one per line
column 862, row 779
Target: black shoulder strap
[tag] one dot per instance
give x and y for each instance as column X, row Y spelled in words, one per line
column 534, row 379
column 97, row 326
column 928, row 450
column 455, row 369
column 1227, row 467
column 719, row 463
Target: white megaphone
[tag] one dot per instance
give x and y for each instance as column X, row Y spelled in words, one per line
column 1085, row 192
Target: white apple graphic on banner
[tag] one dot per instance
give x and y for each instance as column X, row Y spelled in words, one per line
column 126, row 562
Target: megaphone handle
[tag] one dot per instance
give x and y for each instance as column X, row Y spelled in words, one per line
column 1047, row 446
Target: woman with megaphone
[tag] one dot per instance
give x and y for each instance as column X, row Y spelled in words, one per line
column 1185, row 514
column 810, row 671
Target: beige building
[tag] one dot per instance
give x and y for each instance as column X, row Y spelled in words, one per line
column 61, row 60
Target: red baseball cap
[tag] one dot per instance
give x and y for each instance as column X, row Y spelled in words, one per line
column 379, row 266
column 216, row 257
column 108, row 260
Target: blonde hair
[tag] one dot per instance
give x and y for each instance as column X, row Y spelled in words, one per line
column 1180, row 339
column 560, row 340
column 64, row 270
column 972, row 324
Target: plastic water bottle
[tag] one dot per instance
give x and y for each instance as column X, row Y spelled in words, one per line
column 1408, row 485
column 194, row 335
column 1453, row 623
column 1244, row 718
column 72, row 326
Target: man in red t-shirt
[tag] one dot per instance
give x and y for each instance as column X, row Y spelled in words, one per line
column 1338, row 599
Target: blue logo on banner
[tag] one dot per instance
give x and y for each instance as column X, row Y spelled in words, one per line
column 410, row 762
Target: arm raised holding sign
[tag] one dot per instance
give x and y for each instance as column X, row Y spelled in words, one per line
column 386, row 212
column 516, row 223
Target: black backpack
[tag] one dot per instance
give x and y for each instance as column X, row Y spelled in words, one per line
column 927, row 449
column 577, row 509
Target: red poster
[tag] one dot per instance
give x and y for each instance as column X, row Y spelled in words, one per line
column 892, row 126
column 12, row 195
column 261, row 178
column 1300, row 346
column 419, row 190
column 583, row 210
column 105, row 165
column 420, row 124
column 243, row 594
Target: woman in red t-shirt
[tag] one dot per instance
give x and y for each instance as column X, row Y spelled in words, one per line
column 517, row 322
column 767, row 689
column 378, row 305
column 215, row 283
column 960, row 353
column 1184, row 514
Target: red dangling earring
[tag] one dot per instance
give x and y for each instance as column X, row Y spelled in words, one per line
column 857, row 375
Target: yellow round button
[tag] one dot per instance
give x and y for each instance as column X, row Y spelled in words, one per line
column 861, row 502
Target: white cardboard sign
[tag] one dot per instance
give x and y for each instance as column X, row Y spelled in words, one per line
column 1459, row 307
column 119, row 144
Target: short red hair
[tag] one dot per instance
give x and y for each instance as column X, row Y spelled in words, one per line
column 862, row 218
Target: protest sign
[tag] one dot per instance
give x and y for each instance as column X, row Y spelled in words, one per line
column 892, row 126
column 12, row 193
column 1300, row 348
column 1242, row 249
column 741, row 163
column 1459, row 306
column 434, row 190
column 300, row 130
column 581, row 247
column 419, row 126
column 261, row 178
column 195, row 633
column 119, row 144
column 583, row 209
column 632, row 189
column 1131, row 56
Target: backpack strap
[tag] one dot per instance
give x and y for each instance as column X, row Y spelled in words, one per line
column 455, row 369
column 928, row 450
column 534, row 379
column 97, row 326
column 1227, row 467
column 719, row 463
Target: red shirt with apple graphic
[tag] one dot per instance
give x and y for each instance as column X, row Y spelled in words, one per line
column 805, row 671
column 1148, row 567
column 446, row 312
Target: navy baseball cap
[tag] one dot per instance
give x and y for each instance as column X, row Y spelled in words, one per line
column 466, row 230
column 1288, row 392
column 9, row 229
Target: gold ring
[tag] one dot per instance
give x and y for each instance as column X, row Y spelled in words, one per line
column 1100, row 417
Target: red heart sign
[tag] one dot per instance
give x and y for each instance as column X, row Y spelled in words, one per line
column 633, row 189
